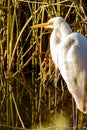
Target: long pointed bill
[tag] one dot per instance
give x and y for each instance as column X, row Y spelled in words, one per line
column 41, row 25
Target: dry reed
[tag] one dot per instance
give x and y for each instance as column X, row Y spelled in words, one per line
column 31, row 90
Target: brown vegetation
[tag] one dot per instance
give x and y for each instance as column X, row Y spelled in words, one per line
column 32, row 91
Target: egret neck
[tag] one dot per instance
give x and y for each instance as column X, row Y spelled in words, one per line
column 59, row 33
column 62, row 30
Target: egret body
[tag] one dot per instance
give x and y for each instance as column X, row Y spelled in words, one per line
column 69, row 53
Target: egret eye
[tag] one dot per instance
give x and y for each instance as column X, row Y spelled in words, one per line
column 50, row 23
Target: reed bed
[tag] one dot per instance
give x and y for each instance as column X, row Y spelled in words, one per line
column 32, row 91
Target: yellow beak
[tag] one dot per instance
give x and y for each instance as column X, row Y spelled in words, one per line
column 41, row 25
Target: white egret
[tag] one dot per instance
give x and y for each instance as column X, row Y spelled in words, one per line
column 69, row 53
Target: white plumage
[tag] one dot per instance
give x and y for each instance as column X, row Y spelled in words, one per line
column 69, row 53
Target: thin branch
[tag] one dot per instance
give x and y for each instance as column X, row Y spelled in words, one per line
column 17, row 111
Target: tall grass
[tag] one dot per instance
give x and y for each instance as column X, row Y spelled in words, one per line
column 32, row 91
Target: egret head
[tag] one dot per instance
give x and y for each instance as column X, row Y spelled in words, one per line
column 57, row 23
column 60, row 24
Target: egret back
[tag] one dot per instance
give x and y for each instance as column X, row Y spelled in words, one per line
column 70, row 56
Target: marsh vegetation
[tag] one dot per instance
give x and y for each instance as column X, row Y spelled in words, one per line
column 32, row 92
